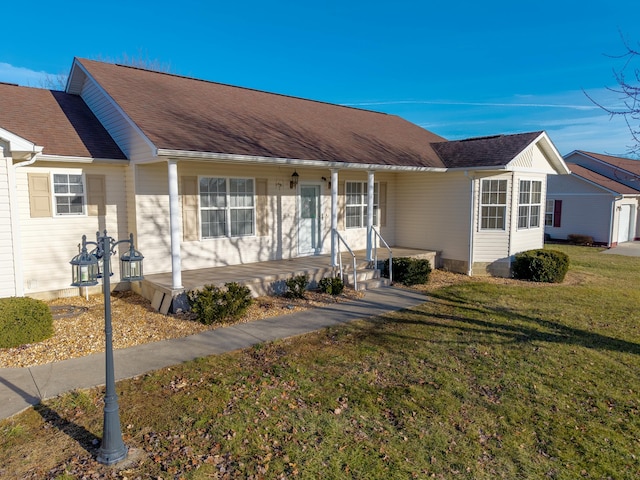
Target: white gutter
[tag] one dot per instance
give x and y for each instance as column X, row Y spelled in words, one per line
column 18, row 274
column 226, row 157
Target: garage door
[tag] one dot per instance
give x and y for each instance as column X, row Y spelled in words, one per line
column 624, row 224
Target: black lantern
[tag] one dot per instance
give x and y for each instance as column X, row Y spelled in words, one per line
column 294, row 179
column 131, row 264
column 84, row 268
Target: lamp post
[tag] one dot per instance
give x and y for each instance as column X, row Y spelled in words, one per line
column 85, row 272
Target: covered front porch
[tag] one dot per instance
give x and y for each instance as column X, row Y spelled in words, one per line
column 268, row 278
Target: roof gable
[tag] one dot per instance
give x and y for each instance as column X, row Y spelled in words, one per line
column 185, row 114
column 602, row 181
column 493, row 151
column 630, row 165
column 59, row 122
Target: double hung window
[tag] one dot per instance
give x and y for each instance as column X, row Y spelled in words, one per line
column 493, row 204
column 68, row 194
column 227, row 207
column 529, row 204
column 356, row 204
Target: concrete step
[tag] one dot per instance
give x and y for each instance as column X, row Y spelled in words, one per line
column 373, row 283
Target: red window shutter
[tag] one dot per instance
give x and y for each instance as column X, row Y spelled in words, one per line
column 557, row 212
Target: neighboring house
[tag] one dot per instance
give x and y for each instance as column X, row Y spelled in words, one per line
column 599, row 199
column 206, row 175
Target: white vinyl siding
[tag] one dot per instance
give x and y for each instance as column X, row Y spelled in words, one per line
column 493, row 206
column 529, row 204
column 431, row 212
column 45, row 260
column 130, row 140
column 7, row 281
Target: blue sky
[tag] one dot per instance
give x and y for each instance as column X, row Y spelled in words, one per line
column 460, row 69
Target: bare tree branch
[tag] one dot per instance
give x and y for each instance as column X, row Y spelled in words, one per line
column 628, row 88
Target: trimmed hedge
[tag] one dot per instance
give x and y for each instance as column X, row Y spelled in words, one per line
column 408, row 271
column 331, row 285
column 296, row 286
column 214, row 304
column 540, row 265
column 24, row 320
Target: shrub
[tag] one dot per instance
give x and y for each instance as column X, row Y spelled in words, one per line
column 331, row 285
column 214, row 304
column 408, row 271
column 296, row 286
column 580, row 239
column 541, row 266
column 24, row 320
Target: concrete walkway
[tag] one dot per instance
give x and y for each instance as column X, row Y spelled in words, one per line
column 21, row 388
column 630, row 249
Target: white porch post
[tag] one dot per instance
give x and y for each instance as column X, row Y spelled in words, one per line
column 174, row 224
column 370, row 185
column 334, row 217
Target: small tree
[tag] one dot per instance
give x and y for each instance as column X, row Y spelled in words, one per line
column 628, row 87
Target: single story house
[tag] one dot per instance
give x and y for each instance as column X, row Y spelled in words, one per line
column 600, row 199
column 205, row 175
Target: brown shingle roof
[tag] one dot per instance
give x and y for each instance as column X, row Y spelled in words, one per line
column 601, row 180
column 494, row 151
column 59, row 122
column 180, row 113
column 627, row 164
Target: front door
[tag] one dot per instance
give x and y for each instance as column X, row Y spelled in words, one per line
column 624, row 224
column 309, row 220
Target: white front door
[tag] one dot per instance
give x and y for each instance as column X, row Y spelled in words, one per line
column 624, row 223
column 309, row 220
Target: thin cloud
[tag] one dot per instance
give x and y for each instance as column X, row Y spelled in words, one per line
column 473, row 104
column 22, row 76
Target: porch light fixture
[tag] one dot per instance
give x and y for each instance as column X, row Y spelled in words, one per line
column 294, row 180
column 84, row 268
column 85, row 272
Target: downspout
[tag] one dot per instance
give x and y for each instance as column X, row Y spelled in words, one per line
column 18, row 275
column 472, row 217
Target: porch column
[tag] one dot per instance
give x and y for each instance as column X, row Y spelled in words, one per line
column 174, row 225
column 370, row 185
column 334, row 217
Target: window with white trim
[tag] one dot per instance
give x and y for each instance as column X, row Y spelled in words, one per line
column 68, row 194
column 548, row 213
column 227, row 207
column 356, row 204
column 493, row 204
column 529, row 204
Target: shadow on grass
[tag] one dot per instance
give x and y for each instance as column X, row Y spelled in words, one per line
column 87, row 440
column 503, row 322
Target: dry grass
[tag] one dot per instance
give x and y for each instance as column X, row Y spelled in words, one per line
column 79, row 324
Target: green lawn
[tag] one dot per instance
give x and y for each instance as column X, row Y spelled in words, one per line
column 483, row 381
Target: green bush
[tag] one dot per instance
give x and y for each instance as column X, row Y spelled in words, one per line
column 331, row 285
column 580, row 239
column 296, row 286
column 214, row 304
column 408, row 271
column 541, row 266
column 24, row 320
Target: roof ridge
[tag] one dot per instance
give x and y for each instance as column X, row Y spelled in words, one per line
column 251, row 89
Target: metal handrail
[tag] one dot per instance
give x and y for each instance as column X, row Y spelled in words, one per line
column 353, row 257
column 375, row 252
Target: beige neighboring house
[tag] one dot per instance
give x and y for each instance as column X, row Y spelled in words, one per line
column 206, row 175
column 600, row 199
